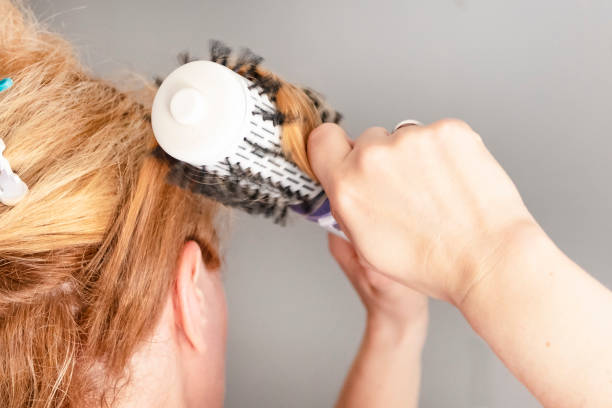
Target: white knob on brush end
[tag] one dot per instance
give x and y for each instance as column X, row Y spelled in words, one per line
column 187, row 106
column 200, row 113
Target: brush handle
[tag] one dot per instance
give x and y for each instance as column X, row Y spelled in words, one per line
column 322, row 215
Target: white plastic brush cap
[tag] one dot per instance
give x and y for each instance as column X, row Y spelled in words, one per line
column 200, row 112
column 187, row 106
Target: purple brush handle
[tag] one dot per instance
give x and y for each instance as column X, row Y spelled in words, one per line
column 321, row 215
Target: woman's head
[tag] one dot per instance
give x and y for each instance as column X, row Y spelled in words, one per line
column 102, row 249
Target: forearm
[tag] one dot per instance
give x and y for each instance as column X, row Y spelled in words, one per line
column 387, row 370
column 549, row 321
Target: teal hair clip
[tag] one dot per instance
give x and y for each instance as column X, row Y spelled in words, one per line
column 5, row 84
column 12, row 188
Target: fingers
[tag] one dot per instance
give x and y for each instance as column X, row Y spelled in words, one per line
column 328, row 145
column 372, row 135
column 344, row 253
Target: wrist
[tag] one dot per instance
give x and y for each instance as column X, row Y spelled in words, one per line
column 409, row 333
column 523, row 240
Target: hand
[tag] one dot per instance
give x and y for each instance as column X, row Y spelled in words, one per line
column 393, row 309
column 387, row 369
column 428, row 205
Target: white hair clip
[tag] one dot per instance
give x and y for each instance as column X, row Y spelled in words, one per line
column 12, row 188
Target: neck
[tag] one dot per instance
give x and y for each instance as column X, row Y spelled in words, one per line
column 155, row 378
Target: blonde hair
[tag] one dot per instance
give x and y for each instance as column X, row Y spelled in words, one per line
column 99, row 229
column 302, row 119
column 302, row 109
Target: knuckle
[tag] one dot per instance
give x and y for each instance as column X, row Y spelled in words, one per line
column 371, row 136
column 474, row 137
column 450, row 126
column 371, row 157
column 376, row 130
column 453, row 129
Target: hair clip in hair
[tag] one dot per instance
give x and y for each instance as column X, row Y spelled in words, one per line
column 5, row 84
column 12, row 188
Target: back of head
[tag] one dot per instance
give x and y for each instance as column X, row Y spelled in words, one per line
column 98, row 229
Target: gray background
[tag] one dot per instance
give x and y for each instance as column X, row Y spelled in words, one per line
column 533, row 77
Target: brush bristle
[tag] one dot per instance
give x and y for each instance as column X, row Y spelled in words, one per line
column 243, row 188
column 326, row 112
column 235, row 190
column 219, row 52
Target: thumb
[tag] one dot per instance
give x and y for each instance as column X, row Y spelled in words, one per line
column 327, row 147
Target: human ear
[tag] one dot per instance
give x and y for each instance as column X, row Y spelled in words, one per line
column 188, row 298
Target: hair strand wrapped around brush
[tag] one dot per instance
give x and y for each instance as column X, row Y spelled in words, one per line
column 299, row 109
column 296, row 112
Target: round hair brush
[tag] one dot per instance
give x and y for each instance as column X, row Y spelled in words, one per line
column 237, row 134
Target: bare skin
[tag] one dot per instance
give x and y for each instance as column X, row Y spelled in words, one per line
column 431, row 208
column 182, row 364
column 387, row 369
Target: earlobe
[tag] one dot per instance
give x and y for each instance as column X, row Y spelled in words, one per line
column 188, row 298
